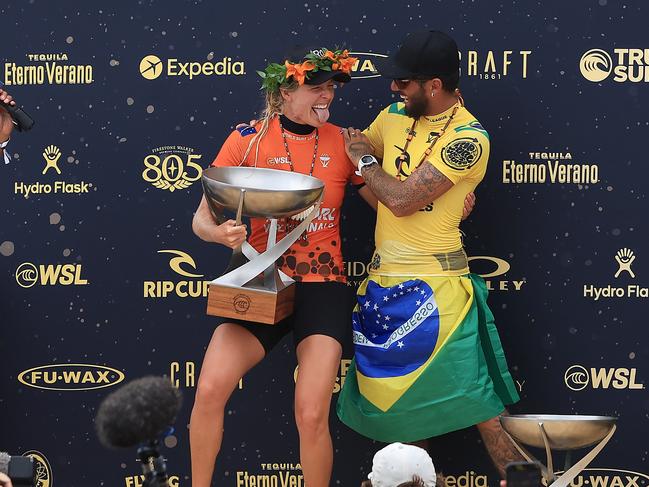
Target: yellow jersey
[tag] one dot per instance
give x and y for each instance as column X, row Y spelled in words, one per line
column 428, row 242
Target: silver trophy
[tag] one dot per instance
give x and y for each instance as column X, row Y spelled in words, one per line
column 559, row 432
column 252, row 287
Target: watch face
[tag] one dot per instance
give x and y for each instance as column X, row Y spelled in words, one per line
column 367, row 159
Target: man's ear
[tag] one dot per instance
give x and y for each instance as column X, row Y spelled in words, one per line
column 436, row 84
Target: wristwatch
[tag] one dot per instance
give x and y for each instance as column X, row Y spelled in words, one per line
column 364, row 161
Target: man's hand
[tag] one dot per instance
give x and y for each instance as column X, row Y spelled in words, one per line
column 356, row 144
column 469, row 203
column 6, row 124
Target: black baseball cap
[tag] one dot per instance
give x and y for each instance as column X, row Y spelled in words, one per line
column 424, row 54
column 297, row 54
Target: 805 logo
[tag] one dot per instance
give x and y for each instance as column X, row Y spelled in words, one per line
column 172, row 167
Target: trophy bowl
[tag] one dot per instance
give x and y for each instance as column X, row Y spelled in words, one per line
column 564, row 432
column 270, row 193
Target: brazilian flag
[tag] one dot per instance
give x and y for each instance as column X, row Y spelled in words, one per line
column 427, row 361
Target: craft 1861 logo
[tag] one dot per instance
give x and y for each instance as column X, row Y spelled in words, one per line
column 71, row 377
column 495, row 65
column 626, row 64
column 183, row 374
column 624, row 259
column 52, row 168
column 151, row 67
column 184, row 265
column 28, row 275
column 47, row 69
column 577, row 378
column 44, row 477
column 172, row 167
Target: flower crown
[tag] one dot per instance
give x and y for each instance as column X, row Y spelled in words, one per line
column 317, row 60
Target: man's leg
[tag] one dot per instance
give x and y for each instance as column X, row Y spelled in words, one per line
column 500, row 448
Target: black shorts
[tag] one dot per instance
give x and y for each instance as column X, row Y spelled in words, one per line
column 321, row 308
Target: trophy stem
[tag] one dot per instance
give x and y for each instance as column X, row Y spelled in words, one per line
column 548, row 452
column 238, row 259
column 271, row 276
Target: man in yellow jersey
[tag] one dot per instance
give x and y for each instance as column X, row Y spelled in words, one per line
column 428, row 359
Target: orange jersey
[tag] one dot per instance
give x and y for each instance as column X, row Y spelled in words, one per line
column 316, row 256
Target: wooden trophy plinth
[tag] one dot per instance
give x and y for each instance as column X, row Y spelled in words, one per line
column 250, row 304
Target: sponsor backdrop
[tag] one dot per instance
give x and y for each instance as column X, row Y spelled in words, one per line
column 103, row 281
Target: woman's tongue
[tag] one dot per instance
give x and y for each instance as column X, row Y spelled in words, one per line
column 321, row 113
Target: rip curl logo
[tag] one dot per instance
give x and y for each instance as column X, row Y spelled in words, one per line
column 595, row 65
column 241, row 303
column 576, row 378
column 431, row 137
column 403, row 168
column 624, row 258
column 42, row 467
column 181, row 258
column 462, row 154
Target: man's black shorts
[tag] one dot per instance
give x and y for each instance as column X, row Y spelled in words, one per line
column 321, row 308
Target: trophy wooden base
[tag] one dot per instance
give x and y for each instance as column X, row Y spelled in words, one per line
column 250, row 304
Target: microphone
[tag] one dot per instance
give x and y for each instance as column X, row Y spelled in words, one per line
column 137, row 412
column 21, row 120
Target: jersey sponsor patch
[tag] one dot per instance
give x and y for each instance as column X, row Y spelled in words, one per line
column 247, row 130
column 462, row 154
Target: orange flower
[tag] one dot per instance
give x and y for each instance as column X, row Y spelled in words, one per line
column 347, row 63
column 298, row 71
column 330, row 55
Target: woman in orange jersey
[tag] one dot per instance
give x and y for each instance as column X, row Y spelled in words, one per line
column 293, row 135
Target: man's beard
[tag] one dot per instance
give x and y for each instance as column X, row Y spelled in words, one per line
column 417, row 106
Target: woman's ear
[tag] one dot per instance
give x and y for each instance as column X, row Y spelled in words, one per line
column 285, row 93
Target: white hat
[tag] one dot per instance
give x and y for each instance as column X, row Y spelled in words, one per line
column 398, row 463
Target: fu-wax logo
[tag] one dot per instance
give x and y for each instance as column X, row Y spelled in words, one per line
column 608, row 477
column 182, row 264
column 71, row 377
column 51, row 156
column 578, row 378
column 172, row 167
column 28, row 275
column 152, row 67
column 632, row 65
column 624, row 258
column 44, row 477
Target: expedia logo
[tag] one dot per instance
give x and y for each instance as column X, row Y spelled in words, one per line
column 182, row 264
column 44, row 476
column 495, row 65
column 51, row 156
column 467, row 479
column 71, row 377
column 241, row 303
column 490, row 268
column 51, row 69
column 172, row 167
column 151, row 67
column 609, row 477
column 28, row 275
column 632, row 65
column 577, row 378
column 364, row 67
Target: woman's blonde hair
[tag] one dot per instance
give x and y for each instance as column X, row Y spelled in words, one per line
column 274, row 101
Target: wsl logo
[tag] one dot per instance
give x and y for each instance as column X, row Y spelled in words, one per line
column 152, row 67
column 182, row 264
column 71, row 377
column 43, row 469
column 578, row 378
column 28, row 275
column 632, row 65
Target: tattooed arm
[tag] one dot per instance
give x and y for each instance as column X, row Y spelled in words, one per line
column 403, row 198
